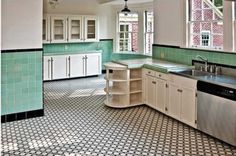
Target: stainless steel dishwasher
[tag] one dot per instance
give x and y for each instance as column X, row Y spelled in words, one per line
column 216, row 111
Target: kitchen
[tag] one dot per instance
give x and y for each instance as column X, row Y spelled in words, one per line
column 50, row 89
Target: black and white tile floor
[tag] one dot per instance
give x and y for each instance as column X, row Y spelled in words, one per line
column 76, row 122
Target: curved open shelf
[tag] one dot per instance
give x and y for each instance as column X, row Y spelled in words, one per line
column 123, row 86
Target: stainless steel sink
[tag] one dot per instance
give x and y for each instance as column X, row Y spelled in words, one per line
column 194, row 72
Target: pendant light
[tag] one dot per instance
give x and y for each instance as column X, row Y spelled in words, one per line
column 126, row 9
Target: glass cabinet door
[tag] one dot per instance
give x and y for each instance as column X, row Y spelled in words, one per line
column 46, row 28
column 75, row 29
column 58, row 29
column 90, row 29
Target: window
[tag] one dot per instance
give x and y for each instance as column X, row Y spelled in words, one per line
column 148, row 31
column 205, row 38
column 128, row 32
column 206, row 24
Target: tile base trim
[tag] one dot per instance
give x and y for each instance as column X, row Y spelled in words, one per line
column 22, row 115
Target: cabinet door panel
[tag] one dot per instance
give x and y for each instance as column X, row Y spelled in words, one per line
column 75, row 29
column 151, row 91
column 188, row 106
column 46, row 68
column 174, row 101
column 46, row 29
column 58, row 29
column 161, row 95
column 91, row 29
column 93, row 64
column 59, row 67
column 77, row 66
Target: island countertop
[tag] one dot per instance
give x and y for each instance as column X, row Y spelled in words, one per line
column 154, row 64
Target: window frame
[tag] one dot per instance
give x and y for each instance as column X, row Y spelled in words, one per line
column 207, row 32
column 147, row 32
column 129, row 32
column 190, row 35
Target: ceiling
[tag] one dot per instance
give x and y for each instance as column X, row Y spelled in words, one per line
column 122, row 1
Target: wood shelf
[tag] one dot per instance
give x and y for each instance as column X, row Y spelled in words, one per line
column 114, row 78
column 136, row 79
column 115, row 91
column 136, row 98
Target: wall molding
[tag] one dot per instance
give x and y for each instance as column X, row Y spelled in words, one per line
column 106, row 39
column 195, row 49
column 22, row 115
column 22, row 50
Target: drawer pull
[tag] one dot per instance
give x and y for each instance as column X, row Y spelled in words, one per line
column 179, row 90
column 153, row 82
column 159, row 75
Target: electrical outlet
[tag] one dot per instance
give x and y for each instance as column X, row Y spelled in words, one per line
column 162, row 55
column 66, row 47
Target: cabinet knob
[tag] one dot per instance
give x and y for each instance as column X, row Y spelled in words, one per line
column 154, row 82
column 159, row 75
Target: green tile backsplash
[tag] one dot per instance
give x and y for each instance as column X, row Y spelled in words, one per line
column 21, row 82
column 105, row 46
column 186, row 56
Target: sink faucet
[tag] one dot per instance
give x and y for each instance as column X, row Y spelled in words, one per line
column 203, row 59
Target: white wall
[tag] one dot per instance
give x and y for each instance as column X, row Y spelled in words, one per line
column 107, row 18
column 83, row 7
column 21, row 24
column 168, row 22
column 228, row 25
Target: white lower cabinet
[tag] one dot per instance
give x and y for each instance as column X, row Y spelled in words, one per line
column 171, row 94
column 182, row 99
column 174, row 101
column 69, row 66
column 47, row 68
column 155, row 90
column 59, row 67
column 76, row 66
column 93, row 64
column 151, row 91
column 161, row 93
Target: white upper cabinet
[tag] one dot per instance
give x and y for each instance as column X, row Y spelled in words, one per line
column 58, row 29
column 69, row 28
column 75, row 29
column 46, row 29
column 91, row 28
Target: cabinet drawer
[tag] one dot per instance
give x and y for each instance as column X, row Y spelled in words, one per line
column 149, row 72
column 184, row 81
column 161, row 75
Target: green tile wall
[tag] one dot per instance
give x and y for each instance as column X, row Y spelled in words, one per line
column 186, row 56
column 21, row 82
column 106, row 47
column 120, row 56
